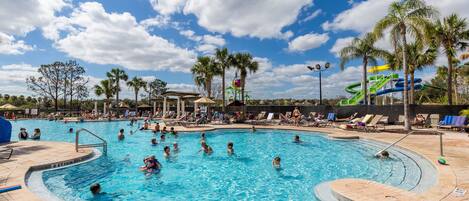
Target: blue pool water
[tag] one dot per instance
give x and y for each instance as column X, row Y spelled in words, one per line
column 190, row 175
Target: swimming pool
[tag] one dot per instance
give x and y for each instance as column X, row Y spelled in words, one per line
column 193, row 176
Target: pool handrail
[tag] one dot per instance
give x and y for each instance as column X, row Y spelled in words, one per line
column 77, row 145
column 394, row 143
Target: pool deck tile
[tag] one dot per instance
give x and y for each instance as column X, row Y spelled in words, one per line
column 29, row 155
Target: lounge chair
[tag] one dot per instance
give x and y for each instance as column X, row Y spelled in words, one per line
column 362, row 122
column 448, row 120
column 269, row 119
column 286, row 118
column 457, row 122
column 9, row 152
column 421, row 123
column 401, row 120
column 373, row 125
column 258, row 118
column 351, row 117
column 434, row 120
column 331, row 117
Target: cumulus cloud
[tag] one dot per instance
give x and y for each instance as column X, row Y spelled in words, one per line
column 116, row 38
column 206, row 44
column 339, row 44
column 10, row 46
column 167, row 7
column 256, row 18
column 13, row 78
column 311, row 16
column 158, row 21
column 307, row 42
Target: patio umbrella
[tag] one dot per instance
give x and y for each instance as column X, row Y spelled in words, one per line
column 123, row 105
column 9, row 107
column 144, row 106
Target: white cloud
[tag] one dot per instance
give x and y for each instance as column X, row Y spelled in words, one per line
column 307, row 42
column 167, row 7
column 206, row 44
column 13, row 78
column 339, row 44
column 9, row 45
column 182, row 87
column 116, row 38
column 255, row 18
column 363, row 16
column 360, row 18
column 158, row 21
column 215, row 40
column 312, row 16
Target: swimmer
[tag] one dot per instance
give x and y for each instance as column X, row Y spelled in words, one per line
column 95, row 189
column 151, row 164
column 253, row 129
column 164, row 131
column 172, row 131
column 276, row 162
column 383, row 155
column 70, row 130
column 157, row 127
column 230, row 149
column 162, row 137
column 202, row 137
column 175, row 147
column 167, row 152
column 121, row 135
column 23, row 135
column 154, row 142
column 297, row 139
column 206, row 149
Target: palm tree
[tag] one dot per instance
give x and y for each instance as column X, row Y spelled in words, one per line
column 364, row 49
column 418, row 57
column 104, row 88
column 203, row 71
column 136, row 84
column 150, row 88
column 405, row 17
column 116, row 75
column 452, row 34
column 223, row 60
column 244, row 63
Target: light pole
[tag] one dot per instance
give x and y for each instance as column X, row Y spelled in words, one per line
column 319, row 68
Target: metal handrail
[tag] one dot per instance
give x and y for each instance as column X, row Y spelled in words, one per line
column 6, row 150
column 77, row 145
column 394, row 143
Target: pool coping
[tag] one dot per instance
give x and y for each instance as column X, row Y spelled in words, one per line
column 447, row 179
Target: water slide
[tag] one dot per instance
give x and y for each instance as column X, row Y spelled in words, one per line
column 5, row 130
column 377, row 83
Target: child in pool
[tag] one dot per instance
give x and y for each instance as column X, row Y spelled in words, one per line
column 172, row 131
column 297, row 139
column 276, row 162
column 202, row 137
column 206, row 148
column 154, row 142
column 151, row 164
column 175, row 147
column 253, row 129
column 383, row 155
column 230, row 149
column 167, row 152
column 120, row 135
column 164, row 131
column 162, row 137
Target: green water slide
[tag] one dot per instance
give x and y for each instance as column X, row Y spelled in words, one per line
column 377, row 82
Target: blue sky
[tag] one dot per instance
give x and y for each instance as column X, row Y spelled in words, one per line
column 162, row 38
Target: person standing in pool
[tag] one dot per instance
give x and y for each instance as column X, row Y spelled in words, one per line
column 95, row 189
column 162, row 137
column 253, row 129
column 120, row 135
column 206, row 148
column 164, row 131
column 175, row 147
column 167, row 152
column 37, row 134
column 23, row 135
column 154, row 142
column 276, row 162
column 230, row 149
column 70, row 130
column 202, row 137
column 157, row 128
column 172, row 131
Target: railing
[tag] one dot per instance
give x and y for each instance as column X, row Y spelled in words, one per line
column 9, row 154
column 102, row 144
column 394, row 143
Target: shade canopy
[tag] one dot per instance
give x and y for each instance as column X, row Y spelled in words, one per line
column 123, row 105
column 204, row 100
column 236, row 103
column 144, row 106
column 9, row 107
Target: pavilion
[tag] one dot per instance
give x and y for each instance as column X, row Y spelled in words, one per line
column 180, row 97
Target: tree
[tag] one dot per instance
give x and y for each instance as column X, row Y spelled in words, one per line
column 418, row 57
column 364, row 49
column 155, row 88
column 223, row 60
column 136, row 84
column 76, row 79
column 105, row 88
column 403, row 17
column 49, row 82
column 451, row 34
column 203, row 71
column 115, row 76
column 244, row 64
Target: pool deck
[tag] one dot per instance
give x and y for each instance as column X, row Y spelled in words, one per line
column 31, row 154
column 34, row 155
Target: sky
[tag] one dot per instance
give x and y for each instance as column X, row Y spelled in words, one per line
column 162, row 39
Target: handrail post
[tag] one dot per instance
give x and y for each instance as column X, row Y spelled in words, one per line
column 441, row 143
column 76, row 140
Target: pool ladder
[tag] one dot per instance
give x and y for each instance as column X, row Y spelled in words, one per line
column 78, row 146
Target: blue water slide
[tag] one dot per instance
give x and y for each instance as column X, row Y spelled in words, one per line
column 5, row 130
column 397, row 89
column 400, row 81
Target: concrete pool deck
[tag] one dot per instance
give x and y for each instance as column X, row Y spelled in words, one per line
column 35, row 155
column 32, row 154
